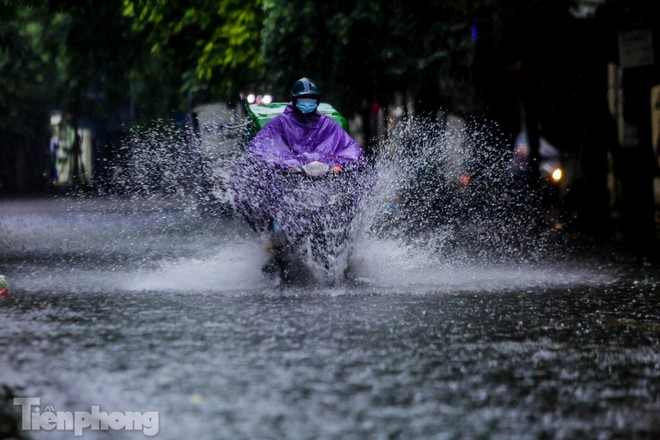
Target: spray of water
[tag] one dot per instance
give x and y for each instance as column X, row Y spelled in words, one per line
column 439, row 191
column 447, row 188
column 187, row 166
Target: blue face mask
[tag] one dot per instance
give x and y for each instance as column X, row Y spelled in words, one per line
column 306, row 106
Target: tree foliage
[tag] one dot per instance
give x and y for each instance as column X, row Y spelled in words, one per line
column 27, row 74
column 212, row 45
column 358, row 50
column 364, row 50
column 66, row 53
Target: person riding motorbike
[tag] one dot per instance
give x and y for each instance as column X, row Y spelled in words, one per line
column 296, row 138
column 301, row 134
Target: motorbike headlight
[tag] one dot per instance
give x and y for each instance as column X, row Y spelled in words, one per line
column 316, row 168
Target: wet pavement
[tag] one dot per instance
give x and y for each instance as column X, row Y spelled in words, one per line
column 149, row 308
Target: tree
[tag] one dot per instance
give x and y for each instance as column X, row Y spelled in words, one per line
column 26, row 89
column 360, row 49
column 211, row 45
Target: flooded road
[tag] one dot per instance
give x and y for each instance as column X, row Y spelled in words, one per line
column 151, row 308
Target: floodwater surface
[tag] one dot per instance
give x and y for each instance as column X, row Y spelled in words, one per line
column 154, row 309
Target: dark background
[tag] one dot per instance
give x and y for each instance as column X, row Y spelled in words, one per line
column 566, row 71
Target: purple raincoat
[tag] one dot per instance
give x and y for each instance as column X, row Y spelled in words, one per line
column 289, row 140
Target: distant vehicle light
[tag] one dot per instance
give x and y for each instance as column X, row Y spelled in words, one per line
column 465, row 179
column 557, row 175
column 251, row 98
column 267, row 99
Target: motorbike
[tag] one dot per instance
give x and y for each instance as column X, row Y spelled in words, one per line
column 309, row 212
column 312, row 227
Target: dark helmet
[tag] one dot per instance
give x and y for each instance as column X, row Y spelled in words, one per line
column 304, row 87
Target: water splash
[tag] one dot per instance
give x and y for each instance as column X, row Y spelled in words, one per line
column 447, row 189
column 443, row 190
column 230, row 268
column 185, row 165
